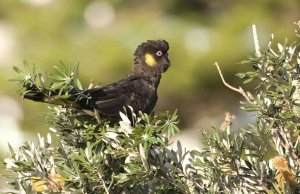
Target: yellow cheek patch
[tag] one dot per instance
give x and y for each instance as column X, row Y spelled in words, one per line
column 150, row 60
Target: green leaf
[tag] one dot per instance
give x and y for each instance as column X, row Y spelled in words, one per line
column 61, row 70
column 18, row 70
column 42, row 81
column 56, row 86
column 12, row 152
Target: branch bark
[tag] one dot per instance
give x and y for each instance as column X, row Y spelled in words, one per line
column 239, row 90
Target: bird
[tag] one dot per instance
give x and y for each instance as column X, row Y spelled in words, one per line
column 137, row 90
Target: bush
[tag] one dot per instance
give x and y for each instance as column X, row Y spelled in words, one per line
column 134, row 156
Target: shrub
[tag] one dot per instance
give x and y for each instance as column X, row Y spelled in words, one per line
column 134, row 156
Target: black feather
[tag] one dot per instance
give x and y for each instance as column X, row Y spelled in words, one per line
column 138, row 90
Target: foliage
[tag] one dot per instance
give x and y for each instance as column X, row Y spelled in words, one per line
column 134, row 156
column 47, row 30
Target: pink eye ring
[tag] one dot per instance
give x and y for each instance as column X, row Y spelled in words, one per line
column 159, row 53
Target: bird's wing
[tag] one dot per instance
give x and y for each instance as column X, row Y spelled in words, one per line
column 111, row 99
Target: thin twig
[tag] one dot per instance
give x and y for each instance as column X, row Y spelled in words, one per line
column 287, row 144
column 239, row 90
column 103, row 182
column 262, row 173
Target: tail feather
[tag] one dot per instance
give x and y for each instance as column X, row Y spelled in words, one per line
column 35, row 96
column 72, row 101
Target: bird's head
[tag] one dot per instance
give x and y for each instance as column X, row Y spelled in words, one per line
column 152, row 58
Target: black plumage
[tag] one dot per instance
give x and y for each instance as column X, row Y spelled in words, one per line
column 138, row 89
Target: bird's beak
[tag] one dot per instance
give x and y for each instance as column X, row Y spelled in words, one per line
column 168, row 57
column 167, row 64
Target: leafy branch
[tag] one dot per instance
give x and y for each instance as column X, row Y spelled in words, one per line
column 134, row 155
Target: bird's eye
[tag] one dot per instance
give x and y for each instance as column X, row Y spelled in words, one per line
column 159, row 53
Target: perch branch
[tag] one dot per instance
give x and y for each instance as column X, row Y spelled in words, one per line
column 239, row 90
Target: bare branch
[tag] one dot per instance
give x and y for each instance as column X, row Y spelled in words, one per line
column 239, row 90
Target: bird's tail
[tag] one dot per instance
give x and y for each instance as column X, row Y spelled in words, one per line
column 35, row 96
column 73, row 99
